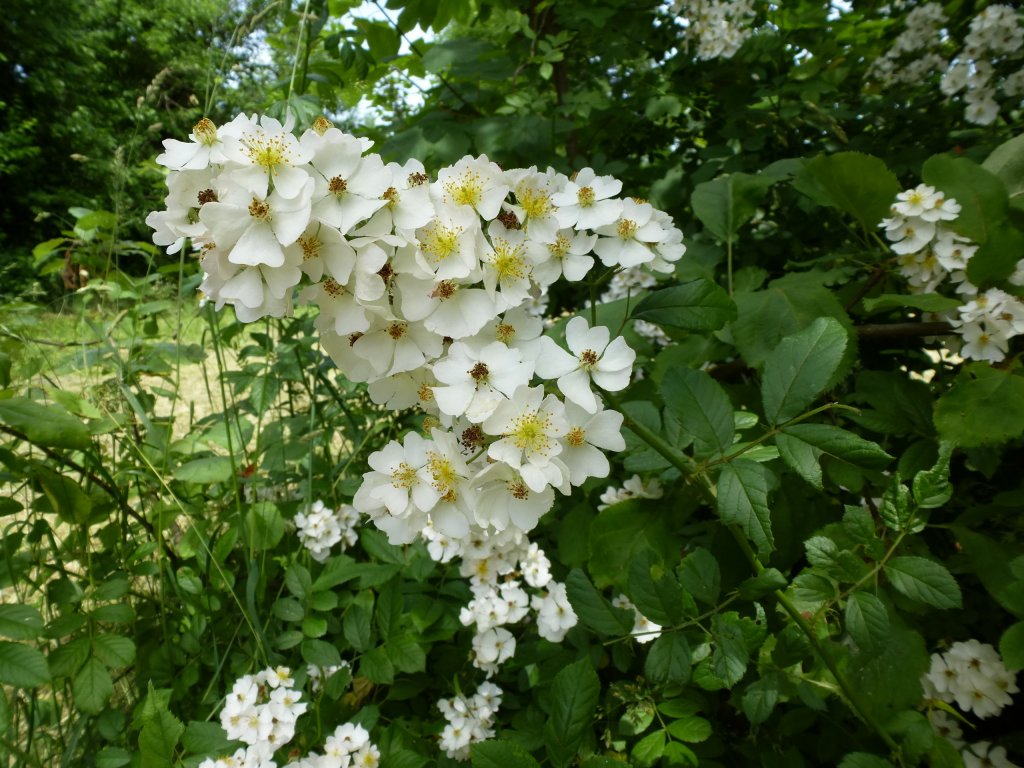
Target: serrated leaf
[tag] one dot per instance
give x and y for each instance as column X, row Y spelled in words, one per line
column 702, row 408
column 206, row 738
column 205, row 471
column 867, row 621
column 20, row 622
column 22, row 665
column 727, row 203
column 924, row 581
column 700, row 576
column 889, row 680
column 160, row 733
column 764, row 583
column 730, row 656
column 984, row 406
column 801, row 367
column 996, row 258
column 864, row 760
column 114, row 651
column 649, row 749
column 932, row 488
column 896, row 509
column 669, row 659
column 621, row 532
column 496, row 753
column 47, row 425
column 406, row 654
column 699, row 305
column 861, row 185
column 320, row 653
column 376, row 666
column 657, row 593
column 593, row 609
column 743, row 500
column 692, row 729
column 801, row 446
column 572, row 701
column 92, row 686
column 760, row 698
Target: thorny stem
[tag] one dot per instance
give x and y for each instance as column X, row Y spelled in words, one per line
column 690, row 470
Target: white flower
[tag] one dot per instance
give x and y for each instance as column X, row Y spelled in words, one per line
column 492, row 648
column 506, row 499
column 349, row 186
column 627, row 242
column 473, row 184
column 474, row 380
column 984, row 755
column 588, row 433
column 444, row 307
column 555, row 616
column 206, row 147
column 587, row 201
column 593, row 358
column 530, row 425
column 264, row 151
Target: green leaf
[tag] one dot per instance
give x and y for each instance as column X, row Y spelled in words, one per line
column 801, row 446
column 657, row 593
column 20, row 622
column 981, row 194
column 592, row 608
column 1011, row 646
column 932, row 488
column 160, row 733
column 376, row 667
column 406, row 654
column 996, row 258
column 92, row 686
column 896, row 509
column 700, row 575
column 212, row 469
column 801, row 367
column 669, row 659
column 861, row 185
column 927, row 302
column 743, row 500
column 64, row 494
column 114, row 651
column 649, row 749
column 889, row 680
column 496, row 753
column 699, row 305
column 265, row 525
column 702, row 408
column 320, row 653
column 692, row 729
column 572, row 701
column 867, row 621
column 984, row 406
column 730, row 656
column 766, row 582
column 785, row 307
column 621, row 532
column 47, row 425
column 760, row 698
column 112, row 757
column 22, row 665
column 205, row 738
column 924, row 581
column 727, row 203
column 356, row 626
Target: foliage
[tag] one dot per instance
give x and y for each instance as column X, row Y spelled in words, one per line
column 839, row 500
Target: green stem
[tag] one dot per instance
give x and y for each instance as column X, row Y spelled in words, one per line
column 303, row 26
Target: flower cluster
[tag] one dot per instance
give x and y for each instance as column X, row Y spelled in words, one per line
column 320, row 528
column 717, row 28
column 929, row 252
column 914, row 55
column 996, row 35
column 261, row 711
column 971, row 675
column 469, row 720
column 633, row 488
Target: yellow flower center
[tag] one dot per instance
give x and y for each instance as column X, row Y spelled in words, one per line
column 310, row 247
column 266, row 151
column 467, row 189
column 322, row 125
column 205, row 131
column 508, row 260
column 585, row 197
column 626, row 229
column 530, row 432
column 560, row 248
column 576, row 437
column 535, row 203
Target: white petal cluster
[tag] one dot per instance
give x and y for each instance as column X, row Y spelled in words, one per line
column 994, row 43
column 644, row 630
column 633, row 488
column 261, row 711
column 915, row 54
column 930, row 253
column 971, row 675
column 718, row 29
column 984, row 755
column 425, row 291
column 469, row 720
column 320, row 528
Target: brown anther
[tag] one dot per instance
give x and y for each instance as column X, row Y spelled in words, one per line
column 638, row 200
column 450, row 496
column 207, row 196
column 205, row 131
column 585, row 196
column 337, row 186
column 519, row 490
column 505, row 332
column 472, row 437
column 310, row 247
column 397, row 330
column 479, row 371
column 589, row 358
column 443, row 290
column 332, row 288
column 418, row 179
column 353, row 338
column 258, row 209
column 386, row 271
column 322, row 125
column 446, row 340
column 425, row 393
column 509, row 219
column 390, row 194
